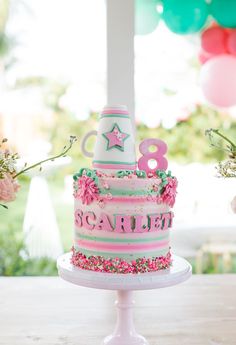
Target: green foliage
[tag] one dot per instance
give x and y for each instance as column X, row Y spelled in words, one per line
column 7, row 42
column 4, row 13
column 73, row 126
column 186, row 141
column 14, row 259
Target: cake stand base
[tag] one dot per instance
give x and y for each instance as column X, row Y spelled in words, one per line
column 124, row 333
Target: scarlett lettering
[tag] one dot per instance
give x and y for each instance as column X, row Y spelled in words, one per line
column 123, row 223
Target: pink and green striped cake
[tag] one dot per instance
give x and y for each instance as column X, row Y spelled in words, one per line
column 122, row 216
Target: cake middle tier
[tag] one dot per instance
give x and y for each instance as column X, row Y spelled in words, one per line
column 126, row 217
column 127, row 230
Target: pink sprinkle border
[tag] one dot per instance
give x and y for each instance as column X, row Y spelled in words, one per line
column 118, row 265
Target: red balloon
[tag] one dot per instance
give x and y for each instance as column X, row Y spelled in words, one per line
column 214, row 40
column 231, row 42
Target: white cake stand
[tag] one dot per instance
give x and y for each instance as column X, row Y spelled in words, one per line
column 124, row 333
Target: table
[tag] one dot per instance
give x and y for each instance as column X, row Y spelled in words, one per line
column 50, row 311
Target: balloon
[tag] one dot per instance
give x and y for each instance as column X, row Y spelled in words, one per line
column 213, row 40
column 146, row 16
column 204, row 56
column 231, row 42
column 218, row 80
column 224, row 12
column 185, row 16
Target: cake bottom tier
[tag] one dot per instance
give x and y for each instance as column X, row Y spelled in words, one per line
column 119, row 265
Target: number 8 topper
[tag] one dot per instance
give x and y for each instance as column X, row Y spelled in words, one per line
column 147, row 155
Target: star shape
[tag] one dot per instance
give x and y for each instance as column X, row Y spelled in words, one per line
column 115, row 138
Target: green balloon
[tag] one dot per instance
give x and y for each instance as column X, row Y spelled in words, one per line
column 224, row 12
column 185, row 16
column 146, row 16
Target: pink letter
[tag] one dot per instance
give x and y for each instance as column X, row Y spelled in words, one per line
column 85, row 218
column 155, row 222
column 123, row 223
column 103, row 223
column 165, row 220
column 78, row 218
column 171, row 219
column 138, row 224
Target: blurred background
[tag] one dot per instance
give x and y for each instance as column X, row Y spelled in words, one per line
column 53, row 85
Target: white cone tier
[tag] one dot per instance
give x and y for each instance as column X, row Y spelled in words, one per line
column 115, row 144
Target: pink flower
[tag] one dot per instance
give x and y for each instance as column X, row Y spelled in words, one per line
column 155, row 187
column 86, row 190
column 8, row 188
column 169, row 193
column 233, row 204
column 105, row 185
column 101, row 203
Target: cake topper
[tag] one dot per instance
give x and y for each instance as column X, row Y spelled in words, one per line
column 115, row 145
column 156, row 157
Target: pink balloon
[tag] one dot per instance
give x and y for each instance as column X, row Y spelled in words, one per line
column 218, row 80
column 231, row 42
column 204, row 56
column 213, row 40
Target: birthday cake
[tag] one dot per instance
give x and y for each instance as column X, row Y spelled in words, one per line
column 122, row 207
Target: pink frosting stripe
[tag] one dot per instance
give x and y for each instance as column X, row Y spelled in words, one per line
column 85, row 244
column 114, row 166
column 115, row 111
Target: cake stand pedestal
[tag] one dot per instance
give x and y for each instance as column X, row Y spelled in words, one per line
column 124, row 333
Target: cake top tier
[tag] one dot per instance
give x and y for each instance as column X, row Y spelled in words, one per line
column 115, row 143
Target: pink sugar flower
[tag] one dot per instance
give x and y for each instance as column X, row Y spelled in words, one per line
column 105, row 185
column 169, row 194
column 86, row 190
column 155, row 187
column 109, row 196
column 101, row 203
column 8, row 188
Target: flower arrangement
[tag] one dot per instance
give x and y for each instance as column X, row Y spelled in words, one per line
column 227, row 168
column 8, row 171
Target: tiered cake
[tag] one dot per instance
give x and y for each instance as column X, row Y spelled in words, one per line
column 123, row 214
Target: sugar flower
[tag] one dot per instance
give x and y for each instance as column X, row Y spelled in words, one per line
column 86, row 189
column 169, row 192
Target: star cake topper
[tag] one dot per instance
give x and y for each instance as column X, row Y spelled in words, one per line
column 115, row 138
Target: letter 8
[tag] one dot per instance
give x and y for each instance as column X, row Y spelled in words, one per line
column 158, row 155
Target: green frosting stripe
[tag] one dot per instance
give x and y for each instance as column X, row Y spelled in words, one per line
column 122, row 240
column 121, row 192
column 123, row 255
column 115, row 115
column 114, row 162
